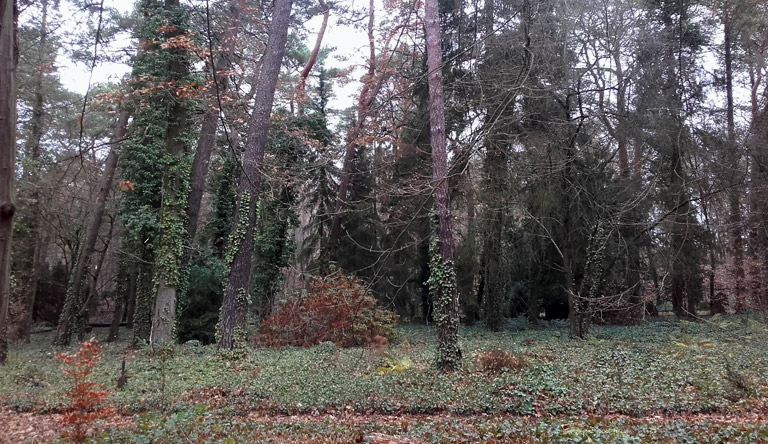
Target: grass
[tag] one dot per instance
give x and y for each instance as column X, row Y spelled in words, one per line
column 658, row 382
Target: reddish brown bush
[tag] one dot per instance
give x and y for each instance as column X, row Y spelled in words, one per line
column 86, row 398
column 379, row 342
column 336, row 308
column 497, row 361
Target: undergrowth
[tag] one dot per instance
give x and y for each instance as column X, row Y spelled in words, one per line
column 668, row 369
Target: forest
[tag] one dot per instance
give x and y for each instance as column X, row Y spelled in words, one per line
column 388, row 221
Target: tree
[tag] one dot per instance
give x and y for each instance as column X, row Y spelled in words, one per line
column 240, row 249
column 220, row 70
column 32, row 170
column 443, row 274
column 678, row 39
column 729, row 15
column 175, row 183
column 74, row 307
column 154, row 164
column 301, row 86
column 8, row 59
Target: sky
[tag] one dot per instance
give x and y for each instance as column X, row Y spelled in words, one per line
column 350, row 49
column 77, row 76
column 349, row 42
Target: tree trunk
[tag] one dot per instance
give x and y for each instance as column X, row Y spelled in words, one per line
column 122, row 294
column 447, row 300
column 234, row 305
column 207, row 140
column 302, row 84
column 493, row 290
column 367, row 93
column 91, row 301
column 734, row 156
column 117, row 318
column 75, row 296
column 8, row 60
column 168, row 262
column 144, row 299
column 678, row 235
column 32, row 177
column 130, row 306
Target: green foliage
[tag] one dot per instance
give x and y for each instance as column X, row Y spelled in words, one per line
column 224, row 188
column 273, row 245
column 639, row 372
column 206, row 426
column 358, row 248
column 200, row 314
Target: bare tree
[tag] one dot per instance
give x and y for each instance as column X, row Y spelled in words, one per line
column 74, row 307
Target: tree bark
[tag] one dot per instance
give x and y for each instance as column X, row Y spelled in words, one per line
column 734, row 194
column 168, row 262
column 446, row 303
column 234, row 305
column 71, row 314
column 207, row 140
column 32, row 177
column 8, row 60
column 117, row 318
column 144, row 298
column 302, row 84
column 122, row 294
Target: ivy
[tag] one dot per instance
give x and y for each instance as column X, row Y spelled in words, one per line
column 442, row 288
column 238, row 235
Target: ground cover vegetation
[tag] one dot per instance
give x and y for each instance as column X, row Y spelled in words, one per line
column 534, row 220
column 668, row 381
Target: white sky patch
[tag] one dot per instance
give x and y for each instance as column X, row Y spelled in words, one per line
column 76, row 76
column 350, row 49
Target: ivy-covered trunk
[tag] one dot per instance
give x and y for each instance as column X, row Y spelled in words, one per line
column 240, row 248
column 442, row 274
column 142, row 315
column 173, row 233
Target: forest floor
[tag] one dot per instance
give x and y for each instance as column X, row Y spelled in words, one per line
column 665, row 381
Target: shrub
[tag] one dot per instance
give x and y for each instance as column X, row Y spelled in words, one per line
column 86, row 397
column 336, row 308
column 498, row 361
